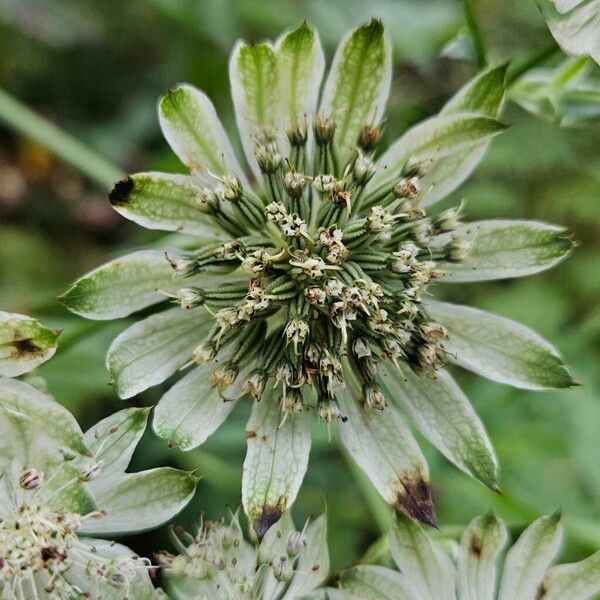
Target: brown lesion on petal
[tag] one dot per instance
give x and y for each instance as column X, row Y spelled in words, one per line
column 120, row 191
column 541, row 593
column 269, row 516
column 476, row 546
column 24, row 348
column 414, row 500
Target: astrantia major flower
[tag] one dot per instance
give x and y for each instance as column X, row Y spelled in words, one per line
column 217, row 562
column 58, row 486
column 308, row 290
column 477, row 568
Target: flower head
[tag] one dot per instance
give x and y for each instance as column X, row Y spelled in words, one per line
column 309, row 288
column 59, row 485
column 217, row 562
column 477, row 567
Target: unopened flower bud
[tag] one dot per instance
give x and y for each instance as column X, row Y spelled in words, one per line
column 190, row 297
column 364, row 169
column 324, row 129
column 31, row 479
column 292, row 401
column 408, row 187
column 433, row 332
column 369, row 138
column 374, row 397
column 268, row 158
column 361, row 347
column 459, row 249
column 255, row 384
column 298, row 135
column 222, row 377
column 294, row 183
column 324, row 184
column 207, row 201
column 296, row 331
column 184, row 265
column 283, row 569
column 230, row 189
column 296, row 543
column 328, row 410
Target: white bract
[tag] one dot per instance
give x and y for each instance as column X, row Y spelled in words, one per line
column 477, row 568
column 575, row 25
column 59, row 485
column 24, row 344
column 306, row 293
column 218, row 563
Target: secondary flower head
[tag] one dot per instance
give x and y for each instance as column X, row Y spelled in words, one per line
column 217, row 562
column 308, row 289
column 476, row 568
column 59, row 485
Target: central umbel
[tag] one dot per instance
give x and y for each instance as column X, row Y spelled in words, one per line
column 336, row 275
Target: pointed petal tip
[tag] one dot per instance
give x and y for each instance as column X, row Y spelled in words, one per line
column 120, row 191
column 414, row 500
column 268, row 517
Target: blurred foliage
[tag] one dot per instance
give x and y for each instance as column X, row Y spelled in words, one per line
column 96, row 70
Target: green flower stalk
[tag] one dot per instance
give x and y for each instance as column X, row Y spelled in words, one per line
column 217, row 562
column 59, row 486
column 309, row 290
column 477, row 568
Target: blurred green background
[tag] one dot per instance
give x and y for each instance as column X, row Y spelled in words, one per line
column 96, row 69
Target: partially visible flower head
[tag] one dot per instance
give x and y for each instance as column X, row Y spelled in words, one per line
column 309, row 289
column 477, row 568
column 59, row 485
column 218, row 563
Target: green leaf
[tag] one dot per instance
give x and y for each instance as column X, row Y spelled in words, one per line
column 57, row 423
column 151, row 350
column 24, row 344
column 122, row 286
column 425, row 564
column 434, row 139
column 358, row 85
column 443, row 414
column 163, row 201
column 140, row 501
column 255, row 92
column 275, row 462
column 191, row 126
column 499, row 349
column 574, row 25
column 300, row 65
column 372, row 582
column 191, row 410
column 480, row 545
column 527, row 561
column 384, row 448
column 113, row 440
column 576, row 581
column 509, row 248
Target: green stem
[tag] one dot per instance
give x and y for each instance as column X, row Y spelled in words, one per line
column 476, row 34
column 530, row 63
column 26, row 122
